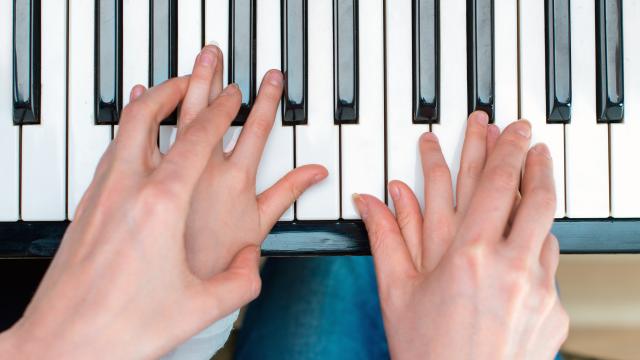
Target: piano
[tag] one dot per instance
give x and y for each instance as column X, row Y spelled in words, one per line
column 363, row 80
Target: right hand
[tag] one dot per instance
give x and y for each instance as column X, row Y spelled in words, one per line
column 476, row 280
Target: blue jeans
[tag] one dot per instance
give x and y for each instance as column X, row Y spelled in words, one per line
column 315, row 308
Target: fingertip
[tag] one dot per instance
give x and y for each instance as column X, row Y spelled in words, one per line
column 542, row 150
column 274, row 77
column 428, row 137
column 493, row 131
column 479, row 117
column 136, row 92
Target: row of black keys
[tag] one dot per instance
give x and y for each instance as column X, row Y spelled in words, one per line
column 242, row 58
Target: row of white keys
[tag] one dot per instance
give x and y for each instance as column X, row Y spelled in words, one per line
column 403, row 158
column 587, row 142
column 453, row 83
column 277, row 158
column 362, row 144
column 87, row 141
column 9, row 133
column 318, row 142
column 44, row 145
column 533, row 90
column 625, row 146
column 505, row 17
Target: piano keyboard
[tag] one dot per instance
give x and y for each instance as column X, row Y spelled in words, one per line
column 363, row 80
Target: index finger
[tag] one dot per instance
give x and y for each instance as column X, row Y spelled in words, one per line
column 491, row 205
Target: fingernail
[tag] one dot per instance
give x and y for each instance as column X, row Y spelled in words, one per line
column 208, row 56
column 482, row 118
column 319, row 177
column 137, row 91
column 274, row 77
column 213, row 43
column 523, row 128
column 542, row 149
column 230, row 89
column 429, row 136
column 361, row 205
column 395, row 193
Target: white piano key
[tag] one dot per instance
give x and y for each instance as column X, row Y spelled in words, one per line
column 587, row 142
column 318, row 142
column 362, row 144
column 43, row 195
column 403, row 157
column 277, row 159
column 453, row 82
column 505, row 19
column 625, row 145
column 9, row 133
column 135, row 43
column 189, row 46
column 87, row 141
column 533, row 90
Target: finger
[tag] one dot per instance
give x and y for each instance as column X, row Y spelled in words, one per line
column 139, row 121
column 391, row 256
column 274, row 201
column 472, row 159
column 537, row 208
column 200, row 84
column 230, row 290
column 493, row 133
column 491, row 205
column 438, row 199
column 550, row 256
column 409, row 218
column 218, row 76
column 256, row 130
column 136, row 91
column 184, row 163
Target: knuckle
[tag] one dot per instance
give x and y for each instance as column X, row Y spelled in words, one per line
column 544, row 199
column 471, row 260
column 439, row 172
column 471, row 170
column 261, row 127
column 504, row 177
column 515, row 142
column 379, row 235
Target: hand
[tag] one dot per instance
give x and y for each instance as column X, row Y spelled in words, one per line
column 226, row 215
column 476, row 280
column 120, row 285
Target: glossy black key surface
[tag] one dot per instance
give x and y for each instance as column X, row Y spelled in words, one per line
column 345, row 58
column 26, row 62
column 108, row 61
column 558, row 61
column 609, row 63
column 426, row 78
column 480, row 81
column 163, row 45
column 294, row 61
column 242, row 59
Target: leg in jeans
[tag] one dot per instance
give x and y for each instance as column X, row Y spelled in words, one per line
column 315, row 308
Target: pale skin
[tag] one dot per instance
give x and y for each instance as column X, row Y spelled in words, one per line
column 164, row 245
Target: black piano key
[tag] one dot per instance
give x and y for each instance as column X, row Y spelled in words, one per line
column 426, row 78
column 163, row 62
column 558, row 38
column 294, row 61
column 242, row 59
column 609, row 74
column 26, row 62
column 345, row 22
column 480, row 80
column 108, row 61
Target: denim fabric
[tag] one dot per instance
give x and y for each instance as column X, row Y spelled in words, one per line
column 315, row 308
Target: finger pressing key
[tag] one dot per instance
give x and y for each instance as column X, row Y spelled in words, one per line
column 491, row 205
column 184, row 163
column 255, row 133
column 200, row 84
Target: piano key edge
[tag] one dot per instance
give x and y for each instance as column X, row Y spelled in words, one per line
column 315, row 238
